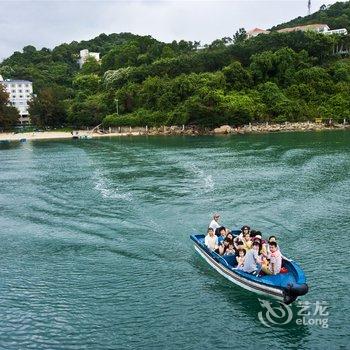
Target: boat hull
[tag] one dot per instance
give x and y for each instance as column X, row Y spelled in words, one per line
column 236, row 279
column 283, row 287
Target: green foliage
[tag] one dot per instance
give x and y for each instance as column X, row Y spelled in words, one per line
column 278, row 77
column 91, row 66
column 240, row 35
column 336, row 107
column 47, row 109
column 279, row 66
column 8, row 114
column 237, row 77
column 143, row 117
column 86, row 83
column 88, row 111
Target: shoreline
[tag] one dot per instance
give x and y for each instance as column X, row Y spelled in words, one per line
column 55, row 135
column 168, row 131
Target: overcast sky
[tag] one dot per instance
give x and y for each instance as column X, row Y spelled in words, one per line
column 44, row 23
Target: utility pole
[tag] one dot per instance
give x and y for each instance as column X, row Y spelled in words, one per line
column 309, row 7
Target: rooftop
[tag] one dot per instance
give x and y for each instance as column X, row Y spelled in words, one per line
column 257, row 30
column 304, row 27
column 15, row 81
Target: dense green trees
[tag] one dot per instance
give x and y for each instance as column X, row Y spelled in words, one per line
column 8, row 114
column 48, row 109
column 141, row 81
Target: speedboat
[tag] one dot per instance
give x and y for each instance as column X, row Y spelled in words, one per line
column 286, row 286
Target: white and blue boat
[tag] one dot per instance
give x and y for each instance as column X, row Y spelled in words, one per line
column 286, row 287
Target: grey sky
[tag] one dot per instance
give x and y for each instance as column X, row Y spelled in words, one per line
column 49, row 23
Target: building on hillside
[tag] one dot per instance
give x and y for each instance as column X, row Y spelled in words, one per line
column 319, row 28
column 256, row 31
column 20, row 93
column 85, row 54
column 341, row 31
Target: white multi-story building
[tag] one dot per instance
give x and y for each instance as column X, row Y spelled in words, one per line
column 20, row 93
column 85, row 54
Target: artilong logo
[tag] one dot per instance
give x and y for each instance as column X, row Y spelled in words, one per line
column 309, row 314
column 279, row 314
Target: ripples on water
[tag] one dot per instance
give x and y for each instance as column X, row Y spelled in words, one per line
column 95, row 250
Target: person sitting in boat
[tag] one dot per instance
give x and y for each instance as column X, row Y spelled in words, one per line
column 238, row 245
column 230, row 250
column 243, row 236
column 253, row 233
column 210, row 240
column 225, row 243
column 272, row 239
column 275, row 257
column 222, row 234
column 247, row 242
column 240, row 258
column 244, row 230
column 263, row 249
column 229, row 237
column 214, row 224
column 221, row 239
column 222, row 247
column 264, row 256
column 252, row 261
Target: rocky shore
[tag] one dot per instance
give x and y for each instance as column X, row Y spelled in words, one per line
column 246, row 129
column 285, row 127
column 174, row 130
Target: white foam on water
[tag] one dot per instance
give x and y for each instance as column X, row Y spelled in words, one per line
column 209, row 182
column 205, row 179
column 105, row 187
column 296, row 153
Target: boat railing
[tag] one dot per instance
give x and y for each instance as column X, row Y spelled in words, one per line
column 296, row 270
column 219, row 258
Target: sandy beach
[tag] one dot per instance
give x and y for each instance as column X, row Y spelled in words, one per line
column 51, row 135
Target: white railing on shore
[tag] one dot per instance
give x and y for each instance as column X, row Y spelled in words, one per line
column 190, row 129
column 144, row 130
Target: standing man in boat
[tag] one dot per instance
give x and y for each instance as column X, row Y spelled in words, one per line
column 214, row 224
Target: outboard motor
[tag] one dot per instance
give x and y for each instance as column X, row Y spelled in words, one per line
column 293, row 291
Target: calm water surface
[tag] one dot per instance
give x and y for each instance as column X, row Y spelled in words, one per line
column 95, row 250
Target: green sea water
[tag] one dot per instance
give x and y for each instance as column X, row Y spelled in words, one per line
column 95, row 250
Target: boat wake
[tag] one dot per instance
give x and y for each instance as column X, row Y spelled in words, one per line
column 206, row 181
column 105, row 187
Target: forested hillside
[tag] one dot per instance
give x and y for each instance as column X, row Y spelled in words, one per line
column 140, row 81
column 336, row 16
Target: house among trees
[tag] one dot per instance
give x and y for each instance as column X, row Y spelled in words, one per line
column 319, row 28
column 256, row 31
column 20, row 93
column 85, row 54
